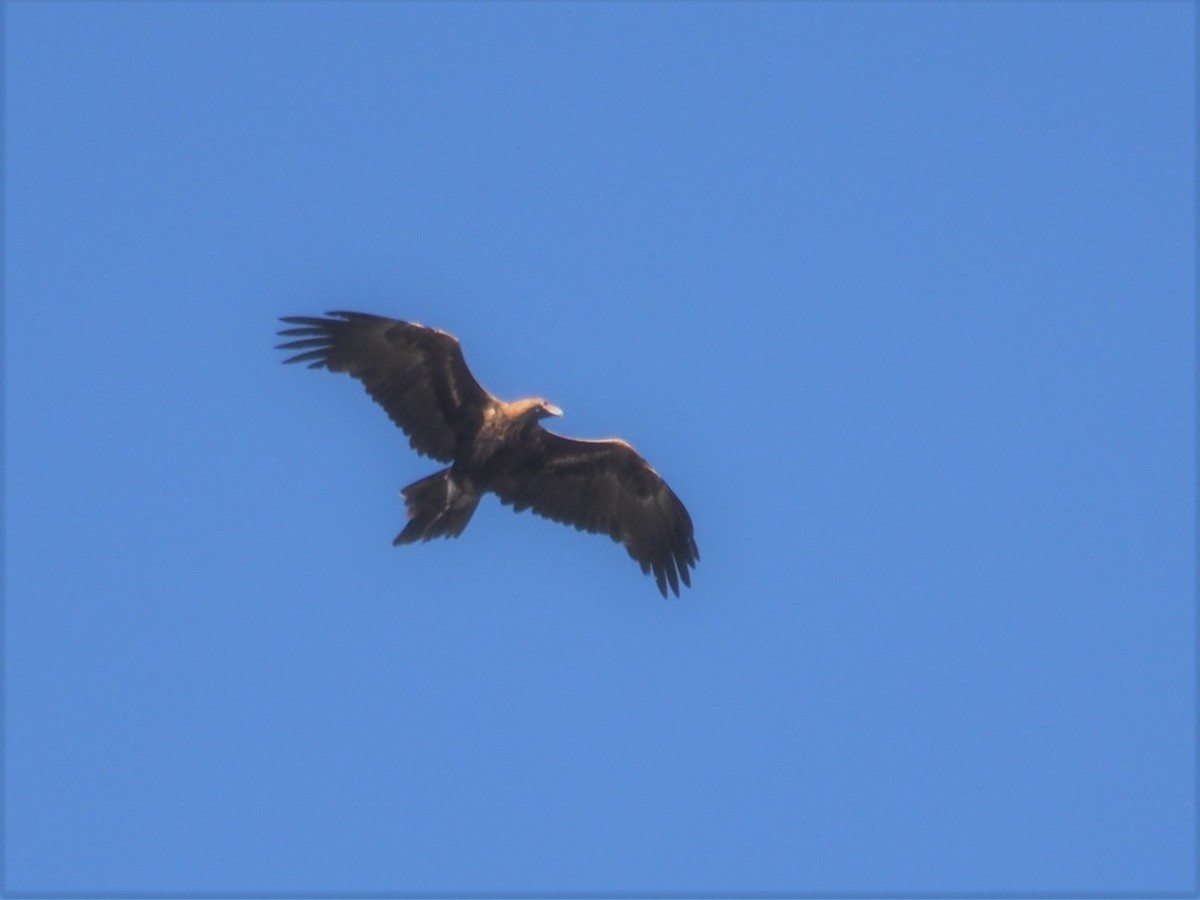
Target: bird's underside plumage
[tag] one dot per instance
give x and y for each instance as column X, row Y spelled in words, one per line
column 419, row 377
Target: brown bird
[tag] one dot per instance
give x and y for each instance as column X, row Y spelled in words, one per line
column 419, row 377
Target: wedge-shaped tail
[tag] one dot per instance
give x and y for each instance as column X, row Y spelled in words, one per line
column 438, row 506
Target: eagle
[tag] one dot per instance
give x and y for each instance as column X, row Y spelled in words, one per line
column 419, row 377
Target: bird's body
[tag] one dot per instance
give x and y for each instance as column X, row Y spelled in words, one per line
column 419, row 377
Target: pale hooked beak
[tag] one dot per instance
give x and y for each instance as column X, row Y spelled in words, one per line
column 551, row 409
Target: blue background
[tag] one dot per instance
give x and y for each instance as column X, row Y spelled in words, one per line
column 900, row 300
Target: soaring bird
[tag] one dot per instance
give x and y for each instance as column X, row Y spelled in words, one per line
column 419, row 377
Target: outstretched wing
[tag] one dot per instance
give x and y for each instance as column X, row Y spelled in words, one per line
column 416, row 374
column 607, row 488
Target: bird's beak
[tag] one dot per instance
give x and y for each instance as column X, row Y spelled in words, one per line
column 553, row 410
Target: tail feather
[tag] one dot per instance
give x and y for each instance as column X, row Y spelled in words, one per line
column 438, row 506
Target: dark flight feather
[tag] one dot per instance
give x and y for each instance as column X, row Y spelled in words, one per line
column 418, row 375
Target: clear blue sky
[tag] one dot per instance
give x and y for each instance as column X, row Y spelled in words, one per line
column 899, row 298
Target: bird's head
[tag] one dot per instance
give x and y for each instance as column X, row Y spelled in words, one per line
column 546, row 409
column 536, row 408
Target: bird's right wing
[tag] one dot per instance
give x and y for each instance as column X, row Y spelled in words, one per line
column 417, row 374
column 607, row 488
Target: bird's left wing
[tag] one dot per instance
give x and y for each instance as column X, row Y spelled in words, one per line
column 605, row 487
column 417, row 374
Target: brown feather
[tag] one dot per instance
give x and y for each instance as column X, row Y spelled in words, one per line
column 605, row 487
column 417, row 374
